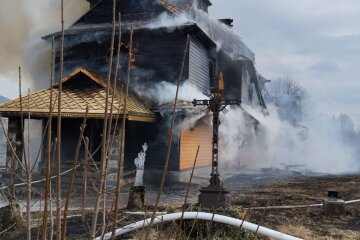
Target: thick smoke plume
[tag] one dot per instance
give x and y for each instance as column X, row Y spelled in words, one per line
column 319, row 144
column 23, row 23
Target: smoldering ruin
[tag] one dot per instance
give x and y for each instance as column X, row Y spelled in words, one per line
column 151, row 121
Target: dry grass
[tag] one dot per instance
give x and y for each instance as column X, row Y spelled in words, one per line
column 299, row 231
column 308, row 223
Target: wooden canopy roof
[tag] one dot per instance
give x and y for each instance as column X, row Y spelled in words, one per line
column 178, row 8
column 81, row 88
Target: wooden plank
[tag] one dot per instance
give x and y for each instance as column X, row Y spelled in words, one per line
column 189, row 140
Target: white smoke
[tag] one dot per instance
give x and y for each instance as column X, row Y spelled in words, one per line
column 164, row 92
column 165, row 20
column 317, row 145
column 24, row 23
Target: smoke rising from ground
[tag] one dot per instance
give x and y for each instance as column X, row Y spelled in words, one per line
column 23, row 23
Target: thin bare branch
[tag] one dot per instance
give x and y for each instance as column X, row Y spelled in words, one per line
column 104, row 133
column 166, row 163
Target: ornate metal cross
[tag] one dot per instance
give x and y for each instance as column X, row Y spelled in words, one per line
column 216, row 104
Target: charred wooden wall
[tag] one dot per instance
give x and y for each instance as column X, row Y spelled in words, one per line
column 158, row 55
column 158, row 145
column 233, row 76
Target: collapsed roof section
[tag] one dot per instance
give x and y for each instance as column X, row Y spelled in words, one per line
column 81, row 89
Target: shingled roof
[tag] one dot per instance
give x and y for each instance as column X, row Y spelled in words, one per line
column 81, row 88
column 177, row 8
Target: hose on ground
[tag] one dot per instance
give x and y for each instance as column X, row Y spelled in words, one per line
column 202, row 216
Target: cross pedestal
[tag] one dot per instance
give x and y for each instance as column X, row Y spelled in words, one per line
column 213, row 197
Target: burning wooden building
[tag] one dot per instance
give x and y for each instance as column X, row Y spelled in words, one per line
column 160, row 35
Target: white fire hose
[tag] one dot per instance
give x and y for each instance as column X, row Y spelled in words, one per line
column 202, row 216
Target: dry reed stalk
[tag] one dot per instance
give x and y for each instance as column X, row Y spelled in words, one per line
column 24, row 182
column 86, row 167
column 248, row 212
column 74, row 166
column 108, row 130
column 51, row 208
column 267, row 204
column 28, row 176
column 12, row 148
column 214, row 211
column 11, row 183
column 122, row 138
column 110, row 138
column 164, row 172
column 7, row 229
column 161, row 228
column 117, row 118
column 104, row 132
column 192, row 227
column 48, row 162
column 21, row 119
column 58, row 163
column 187, row 191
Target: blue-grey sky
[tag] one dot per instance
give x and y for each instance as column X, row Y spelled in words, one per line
column 317, row 42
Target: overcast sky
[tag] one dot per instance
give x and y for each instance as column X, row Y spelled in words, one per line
column 317, row 42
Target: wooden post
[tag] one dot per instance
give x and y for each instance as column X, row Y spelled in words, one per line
column 85, row 177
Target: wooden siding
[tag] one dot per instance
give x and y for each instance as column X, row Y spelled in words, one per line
column 199, row 65
column 189, row 141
